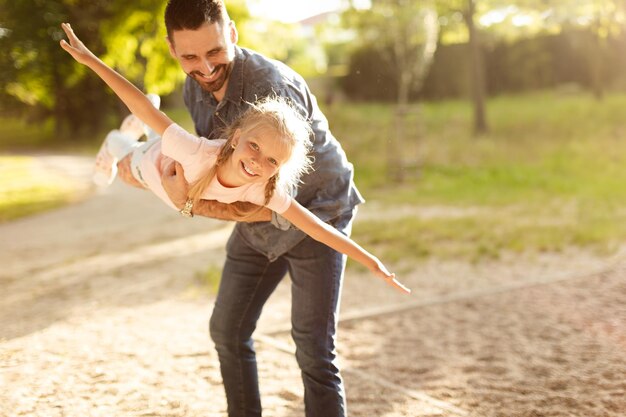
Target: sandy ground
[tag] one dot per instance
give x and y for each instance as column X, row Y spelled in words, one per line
column 103, row 314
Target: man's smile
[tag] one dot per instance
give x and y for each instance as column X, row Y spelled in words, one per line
column 214, row 75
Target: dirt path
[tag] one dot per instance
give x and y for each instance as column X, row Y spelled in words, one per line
column 102, row 314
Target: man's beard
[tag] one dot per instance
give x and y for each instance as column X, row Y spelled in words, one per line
column 218, row 83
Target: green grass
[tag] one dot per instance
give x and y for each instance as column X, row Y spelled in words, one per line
column 549, row 175
column 26, row 189
column 209, row 279
column 17, row 134
column 487, row 235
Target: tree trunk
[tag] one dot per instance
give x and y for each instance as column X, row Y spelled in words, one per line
column 597, row 65
column 396, row 164
column 477, row 73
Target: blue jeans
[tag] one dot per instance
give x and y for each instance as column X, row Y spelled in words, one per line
column 248, row 279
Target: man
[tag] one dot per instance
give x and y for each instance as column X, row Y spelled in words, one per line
column 222, row 80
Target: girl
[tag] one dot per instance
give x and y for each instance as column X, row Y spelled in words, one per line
column 264, row 155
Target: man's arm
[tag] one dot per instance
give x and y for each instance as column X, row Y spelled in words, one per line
column 177, row 190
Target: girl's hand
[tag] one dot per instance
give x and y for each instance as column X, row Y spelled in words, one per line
column 75, row 47
column 390, row 278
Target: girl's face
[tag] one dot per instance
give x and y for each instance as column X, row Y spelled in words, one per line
column 258, row 155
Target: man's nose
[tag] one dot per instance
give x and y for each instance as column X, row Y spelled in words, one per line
column 208, row 66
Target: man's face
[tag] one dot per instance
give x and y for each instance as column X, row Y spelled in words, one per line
column 206, row 54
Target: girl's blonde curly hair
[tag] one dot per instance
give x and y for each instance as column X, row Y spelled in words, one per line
column 282, row 118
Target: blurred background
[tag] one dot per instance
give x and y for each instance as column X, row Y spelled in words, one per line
column 477, row 127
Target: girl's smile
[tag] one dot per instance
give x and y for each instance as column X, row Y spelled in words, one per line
column 248, row 170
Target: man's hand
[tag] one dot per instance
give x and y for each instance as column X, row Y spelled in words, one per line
column 124, row 173
column 177, row 189
column 175, row 184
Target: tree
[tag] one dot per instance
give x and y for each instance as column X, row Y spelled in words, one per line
column 467, row 11
column 593, row 22
column 31, row 66
column 405, row 34
column 527, row 18
column 40, row 77
column 477, row 71
column 601, row 19
column 39, row 80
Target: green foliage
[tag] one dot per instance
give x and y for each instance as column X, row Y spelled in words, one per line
column 406, row 47
column 605, row 18
column 532, row 44
column 136, row 47
column 28, row 61
column 38, row 80
column 39, row 74
column 544, row 61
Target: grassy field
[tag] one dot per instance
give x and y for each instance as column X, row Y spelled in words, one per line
column 26, row 188
column 548, row 176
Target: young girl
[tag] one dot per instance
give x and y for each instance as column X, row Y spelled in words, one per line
column 264, row 155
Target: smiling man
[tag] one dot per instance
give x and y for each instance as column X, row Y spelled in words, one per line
column 223, row 79
column 209, row 68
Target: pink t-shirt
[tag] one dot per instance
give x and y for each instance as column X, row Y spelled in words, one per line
column 197, row 155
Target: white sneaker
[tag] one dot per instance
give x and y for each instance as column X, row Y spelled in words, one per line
column 115, row 147
column 132, row 126
column 105, row 168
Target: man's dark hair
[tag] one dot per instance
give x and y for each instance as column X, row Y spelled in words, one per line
column 191, row 14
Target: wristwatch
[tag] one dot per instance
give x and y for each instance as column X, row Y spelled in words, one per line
column 186, row 210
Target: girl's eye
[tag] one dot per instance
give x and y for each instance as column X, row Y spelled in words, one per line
column 254, row 146
column 273, row 161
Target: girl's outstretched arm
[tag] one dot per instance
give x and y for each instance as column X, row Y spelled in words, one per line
column 322, row 232
column 136, row 101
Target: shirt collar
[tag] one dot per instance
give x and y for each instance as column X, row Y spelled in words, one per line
column 234, row 89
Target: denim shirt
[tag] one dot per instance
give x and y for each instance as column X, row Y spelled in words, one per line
column 328, row 191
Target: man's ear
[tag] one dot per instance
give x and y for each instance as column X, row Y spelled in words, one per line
column 170, row 46
column 234, row 35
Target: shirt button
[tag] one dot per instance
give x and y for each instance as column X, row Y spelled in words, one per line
column 217, row 113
